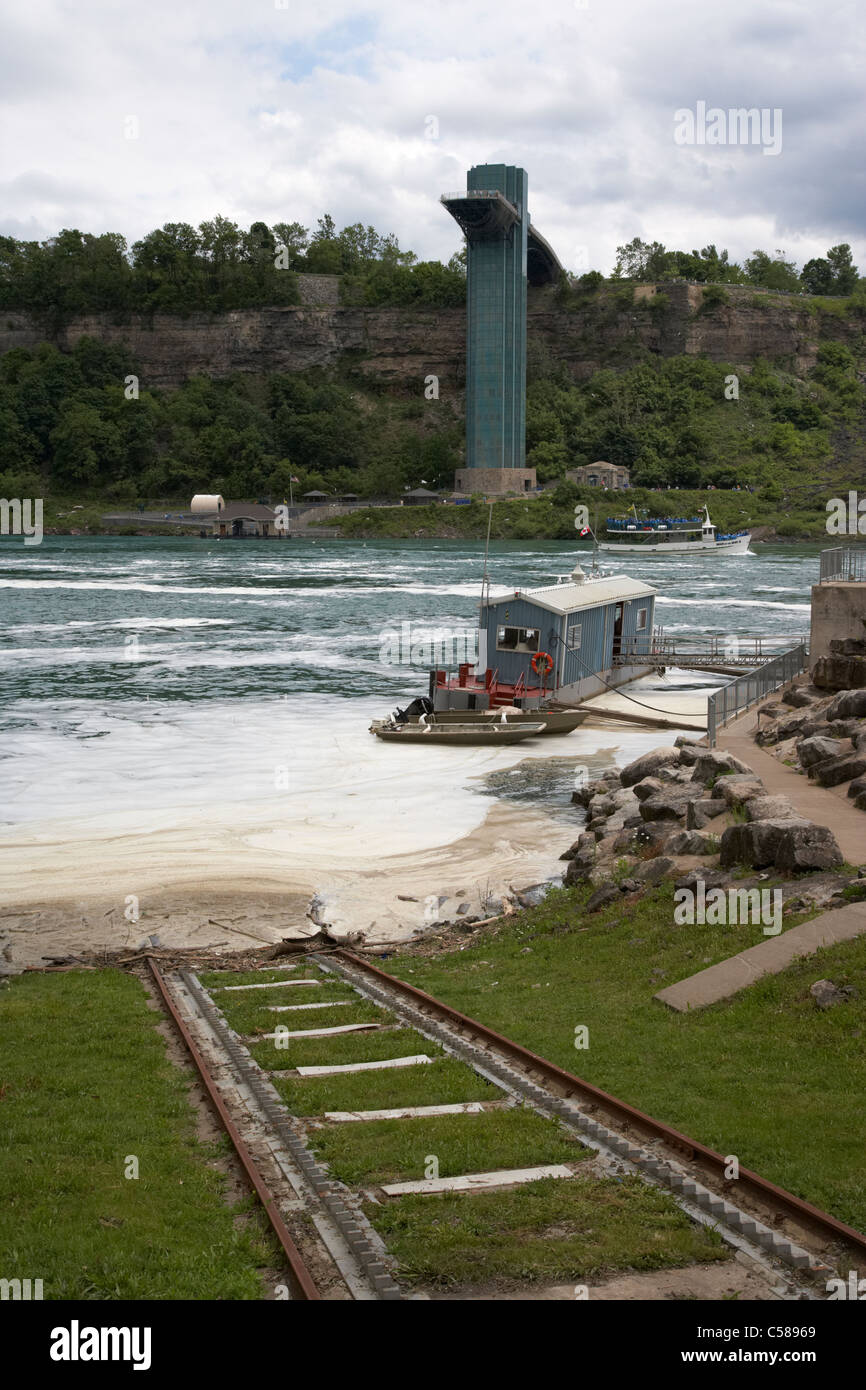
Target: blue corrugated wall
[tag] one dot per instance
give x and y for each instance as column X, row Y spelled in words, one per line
column 596, row 644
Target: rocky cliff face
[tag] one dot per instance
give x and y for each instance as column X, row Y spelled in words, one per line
column 402, row 346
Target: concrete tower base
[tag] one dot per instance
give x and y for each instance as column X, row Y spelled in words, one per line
column 497, row 481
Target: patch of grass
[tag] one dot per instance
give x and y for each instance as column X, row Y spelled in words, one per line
column 559, row 1231
column 85, row 1084
column 764, row 1075
column 442, row 1082
column 398, row 1150
column 346, row 1047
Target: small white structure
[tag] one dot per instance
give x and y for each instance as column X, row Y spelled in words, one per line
column 205, row 504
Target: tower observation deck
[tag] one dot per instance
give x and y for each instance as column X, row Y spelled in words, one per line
column 503, row 252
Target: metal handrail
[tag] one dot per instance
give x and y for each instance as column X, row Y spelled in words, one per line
column 744, row 691
column 845, row 563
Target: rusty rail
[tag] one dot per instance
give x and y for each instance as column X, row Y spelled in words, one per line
column 302, row 1284
column 761, row 1188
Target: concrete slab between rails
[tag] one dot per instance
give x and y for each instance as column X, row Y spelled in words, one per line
column 274, row 984
column 464, row 1107
column 328, row 1004
column 418, row 1060
column 322, row 1032
column 767, row 958
column 478, row 1182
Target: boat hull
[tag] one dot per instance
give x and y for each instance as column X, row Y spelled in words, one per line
column 456, row 735
column 738, row 545
column 555, row 722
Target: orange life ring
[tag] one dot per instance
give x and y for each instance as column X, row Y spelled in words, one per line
column 538, row 659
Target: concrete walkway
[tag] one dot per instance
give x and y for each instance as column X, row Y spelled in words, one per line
column 828, row 806
column 767, row 958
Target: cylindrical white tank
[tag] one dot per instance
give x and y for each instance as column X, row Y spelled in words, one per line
column 204, row 503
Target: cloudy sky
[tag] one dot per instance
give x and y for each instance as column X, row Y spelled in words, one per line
column 120, row 117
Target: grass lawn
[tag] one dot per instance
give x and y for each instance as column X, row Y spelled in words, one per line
column 560, row 1231
column 84, row 1084
column 766, row 1075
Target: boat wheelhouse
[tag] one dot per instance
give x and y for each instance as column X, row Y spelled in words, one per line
column 563, row 642
column 670, row 534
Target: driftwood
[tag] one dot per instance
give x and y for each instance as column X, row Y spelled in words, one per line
column 299, row 945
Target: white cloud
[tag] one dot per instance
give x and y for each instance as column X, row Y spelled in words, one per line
column 283, row 114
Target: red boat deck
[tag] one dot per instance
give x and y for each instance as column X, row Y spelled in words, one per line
column 500, row 692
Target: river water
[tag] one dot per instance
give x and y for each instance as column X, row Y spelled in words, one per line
column 194, row 713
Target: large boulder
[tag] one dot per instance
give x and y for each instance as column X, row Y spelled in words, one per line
column 654, row 870
column 836, row 770
column 648, row 764
column 808, row 847
column 857, row 787
column 826, row 994
column 789, row 842
column 799, row 698
column 844, row 728
column 670, row 804
column 817, row 749
column 689, row 842
column 839, row 672
column 583, row 857
column 710, row 878
column 648, row 786
column 770, row 808
column 737, row 789
column 700, row 812
column 602, row 897
column 851, row 704
column 754, row 842
column 689, row 755
column 633, row 838
column 712, row 763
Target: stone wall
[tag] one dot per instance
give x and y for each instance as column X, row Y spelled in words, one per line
column 838, row 615
column 494, row 480
column 319, row 289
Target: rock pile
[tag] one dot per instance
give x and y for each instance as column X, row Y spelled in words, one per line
column 825, row 737
column 685, row 802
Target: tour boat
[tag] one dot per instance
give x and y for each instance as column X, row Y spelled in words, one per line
column 667, row 535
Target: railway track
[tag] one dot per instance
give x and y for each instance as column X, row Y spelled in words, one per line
column 312, row 1052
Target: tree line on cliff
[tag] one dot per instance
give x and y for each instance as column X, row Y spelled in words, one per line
column 215, row 267
column 75, row 423
column 833, row 274
column 218, row 266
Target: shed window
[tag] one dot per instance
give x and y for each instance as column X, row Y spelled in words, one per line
column 641, row 619
column 517, row 639
column 573, row 636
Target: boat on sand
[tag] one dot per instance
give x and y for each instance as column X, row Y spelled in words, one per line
column 555, row 721
column 475, row 733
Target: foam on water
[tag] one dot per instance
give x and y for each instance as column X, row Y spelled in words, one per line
column 236, row 742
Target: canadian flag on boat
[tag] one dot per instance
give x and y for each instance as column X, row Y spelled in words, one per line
column 295, row 480
column 585, row 531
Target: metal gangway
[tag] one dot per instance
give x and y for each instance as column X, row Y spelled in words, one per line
column 725, row 654
column 738, row 695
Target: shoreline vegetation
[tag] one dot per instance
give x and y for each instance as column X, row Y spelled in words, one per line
column 773, row 514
